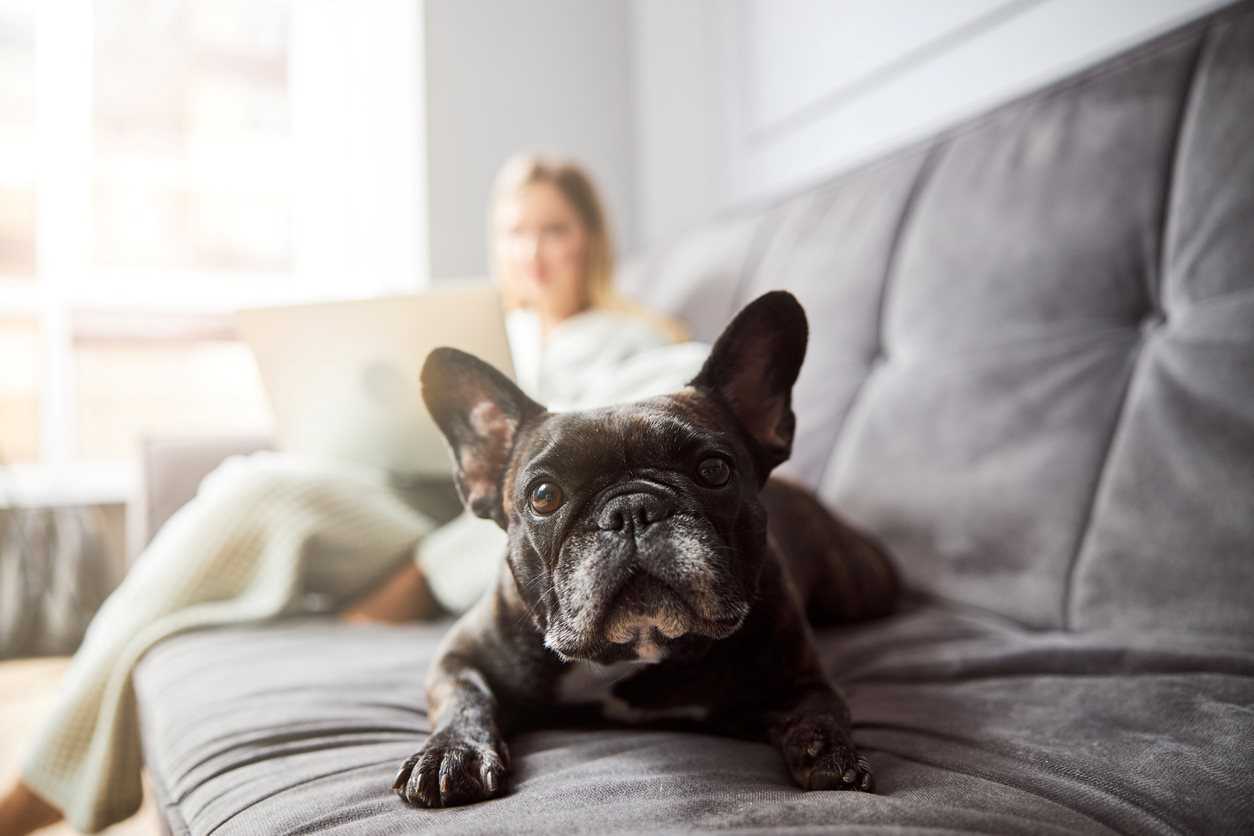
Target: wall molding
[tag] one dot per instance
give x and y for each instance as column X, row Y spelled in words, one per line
column 867, row 82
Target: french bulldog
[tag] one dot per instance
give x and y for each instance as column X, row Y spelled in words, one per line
column 649, row 550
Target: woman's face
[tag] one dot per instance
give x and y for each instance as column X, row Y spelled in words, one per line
column 543, row 247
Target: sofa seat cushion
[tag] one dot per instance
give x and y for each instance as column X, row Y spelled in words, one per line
column 971, row 724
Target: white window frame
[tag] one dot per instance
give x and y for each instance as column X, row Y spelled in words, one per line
column 357, row 96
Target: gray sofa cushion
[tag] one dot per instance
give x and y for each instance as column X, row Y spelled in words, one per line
column 1171, row 545
column 972, row 724
column 1033, row 344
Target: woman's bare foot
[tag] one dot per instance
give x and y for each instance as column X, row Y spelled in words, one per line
column 402, row 597
column 22, row 812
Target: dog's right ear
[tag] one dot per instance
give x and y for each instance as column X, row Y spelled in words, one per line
column 480, row 412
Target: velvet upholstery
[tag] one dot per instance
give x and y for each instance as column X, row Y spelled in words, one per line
column 1031, row 373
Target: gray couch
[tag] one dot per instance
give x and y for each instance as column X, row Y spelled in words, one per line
column 1031, row 374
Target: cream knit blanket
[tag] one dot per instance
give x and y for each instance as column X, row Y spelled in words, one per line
column 267, row 532
column 266, row 535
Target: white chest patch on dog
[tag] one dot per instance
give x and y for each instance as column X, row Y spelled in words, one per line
column 588, row 682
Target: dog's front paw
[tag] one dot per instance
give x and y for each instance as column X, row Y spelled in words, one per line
column 452, row 769
column 821, row 756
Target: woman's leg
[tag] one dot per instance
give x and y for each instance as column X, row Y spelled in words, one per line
column 404, row 596
column 22, row 811
column 240, row 552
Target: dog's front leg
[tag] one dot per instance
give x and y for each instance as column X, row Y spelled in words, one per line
column 801, row 713
column 814, row 738
column 799, row 710
column 465, row 759
column 483, row 683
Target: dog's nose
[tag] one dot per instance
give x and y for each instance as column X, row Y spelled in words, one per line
column 636, row 511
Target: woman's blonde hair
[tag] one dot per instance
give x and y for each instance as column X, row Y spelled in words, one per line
column 569, row 178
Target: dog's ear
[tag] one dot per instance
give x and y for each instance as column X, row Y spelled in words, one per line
column 480, row 413
column 752, row 369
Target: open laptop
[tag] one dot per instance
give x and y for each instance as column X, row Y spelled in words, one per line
column 343, row 378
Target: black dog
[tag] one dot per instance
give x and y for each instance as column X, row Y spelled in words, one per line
column 639, row 535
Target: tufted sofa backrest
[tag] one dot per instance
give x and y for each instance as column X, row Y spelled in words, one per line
column 1031, row 367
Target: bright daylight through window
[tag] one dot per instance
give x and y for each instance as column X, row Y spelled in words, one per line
column 157, row 171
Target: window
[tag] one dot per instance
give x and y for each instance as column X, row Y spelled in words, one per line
column 21, row 327
column 162, row 163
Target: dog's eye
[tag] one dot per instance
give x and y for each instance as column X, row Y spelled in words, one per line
column 546, row 498
column 714, row 472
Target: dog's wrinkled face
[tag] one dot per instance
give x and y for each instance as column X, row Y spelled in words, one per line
column 632, row 527
column 635, row 531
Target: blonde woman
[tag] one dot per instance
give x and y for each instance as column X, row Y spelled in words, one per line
column 265, row 531
column 552, row 254
column 576, row 344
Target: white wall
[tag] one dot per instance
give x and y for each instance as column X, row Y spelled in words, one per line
column 358, row 166
column 679, row 122
column 681, row 108
column 508, row 74
column 740, row 99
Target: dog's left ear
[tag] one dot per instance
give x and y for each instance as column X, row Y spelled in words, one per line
column 480, row 413
column 752, row 369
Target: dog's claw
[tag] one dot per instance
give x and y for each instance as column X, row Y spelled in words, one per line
column 821, row 756
column 450, row 770
column 402, row 775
